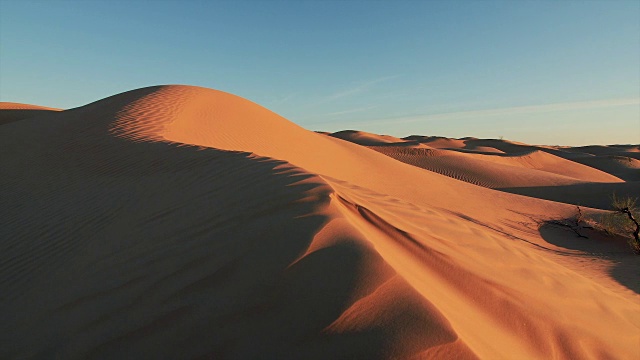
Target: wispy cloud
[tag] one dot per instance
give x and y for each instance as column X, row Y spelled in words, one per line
column 283, row 99
column 362, row 87
column 351, row 111
column 583, row 105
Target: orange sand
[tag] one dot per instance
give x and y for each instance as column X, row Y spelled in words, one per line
column 183, row 222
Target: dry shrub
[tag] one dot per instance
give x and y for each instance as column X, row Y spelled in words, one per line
column 623, row 220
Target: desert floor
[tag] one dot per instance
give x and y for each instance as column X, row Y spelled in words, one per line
column 184, row 222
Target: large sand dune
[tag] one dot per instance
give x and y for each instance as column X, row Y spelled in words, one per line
column 183, row 222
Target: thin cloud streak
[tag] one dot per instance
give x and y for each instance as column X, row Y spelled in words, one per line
column 283, row 99
column 351, row 111
column 356, row 89
column 505, row 111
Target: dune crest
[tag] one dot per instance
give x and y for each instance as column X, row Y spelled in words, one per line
column 180, row 221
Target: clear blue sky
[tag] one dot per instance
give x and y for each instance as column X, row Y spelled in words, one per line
column 546, row 72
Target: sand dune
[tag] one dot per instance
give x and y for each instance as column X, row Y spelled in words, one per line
column 183, row 222
column 365, row 138
column 493, row 171
column 10, row 112
column 595, row 195
column 470, row 144
column 623, row 167
column 18, row 106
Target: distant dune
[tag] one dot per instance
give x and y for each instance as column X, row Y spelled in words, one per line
column 13, row 111
column 184, row 222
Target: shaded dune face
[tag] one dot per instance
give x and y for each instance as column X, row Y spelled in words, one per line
column 623, row 166
column 10, row 112
column 178, row 221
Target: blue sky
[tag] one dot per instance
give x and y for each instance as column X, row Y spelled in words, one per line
column 545, row 72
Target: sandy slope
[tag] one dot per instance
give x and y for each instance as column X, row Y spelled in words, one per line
column 561, row 174
column 369, row 139
column 185, row 222
column 497, row 171
column 10, row 112
column 623, row 167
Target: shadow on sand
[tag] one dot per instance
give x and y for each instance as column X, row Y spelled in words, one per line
column 11, row 115
column 626, row 266
column 594, row 195
column 113, row 248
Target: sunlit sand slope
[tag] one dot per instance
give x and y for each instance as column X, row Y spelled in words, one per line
column 369, row 139
column 499, row 171
column 586, row 176
column 183, row 222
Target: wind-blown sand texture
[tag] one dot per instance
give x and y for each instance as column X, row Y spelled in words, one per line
column 184, row 222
